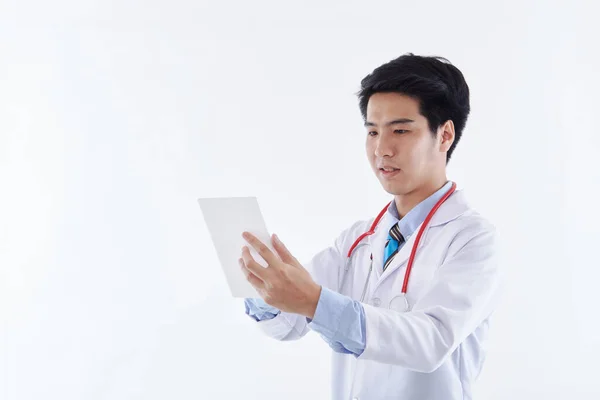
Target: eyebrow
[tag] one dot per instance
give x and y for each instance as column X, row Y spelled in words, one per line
column 396, row 121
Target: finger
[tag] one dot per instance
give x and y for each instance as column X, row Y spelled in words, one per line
column 254, row 267
column 245, row 270
column 256, row 282
column 283, row 252
column 261, row 249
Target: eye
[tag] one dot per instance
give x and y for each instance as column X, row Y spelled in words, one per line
column 401, row 131
column 372, row 133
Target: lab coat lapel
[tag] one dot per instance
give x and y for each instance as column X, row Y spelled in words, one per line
column 452, row 208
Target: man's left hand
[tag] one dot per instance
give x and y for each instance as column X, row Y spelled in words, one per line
column 284, row 283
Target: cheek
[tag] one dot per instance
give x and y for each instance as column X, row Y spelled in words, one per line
column 370, row 151
column 423, row 145
column 415, row 153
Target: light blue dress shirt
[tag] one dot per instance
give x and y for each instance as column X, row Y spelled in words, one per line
column 339, row 319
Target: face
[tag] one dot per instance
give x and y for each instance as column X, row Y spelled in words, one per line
column 401, row 149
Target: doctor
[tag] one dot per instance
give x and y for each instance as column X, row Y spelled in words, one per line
column 404, row 299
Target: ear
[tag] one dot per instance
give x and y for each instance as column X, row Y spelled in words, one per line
column 446, row 135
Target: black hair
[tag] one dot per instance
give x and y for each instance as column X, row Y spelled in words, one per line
column 437, row 85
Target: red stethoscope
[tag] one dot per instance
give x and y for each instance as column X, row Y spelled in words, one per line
column 357, row 243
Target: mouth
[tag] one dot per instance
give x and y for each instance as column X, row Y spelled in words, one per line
column 389, row 172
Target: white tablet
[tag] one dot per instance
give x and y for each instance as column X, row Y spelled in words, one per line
column 226, row 219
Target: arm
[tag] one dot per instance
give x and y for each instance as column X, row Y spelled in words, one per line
column 463, row 294
column 340, row 321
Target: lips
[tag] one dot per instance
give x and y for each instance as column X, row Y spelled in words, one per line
column 389, row 172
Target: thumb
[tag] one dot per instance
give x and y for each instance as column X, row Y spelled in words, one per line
column 283, row 252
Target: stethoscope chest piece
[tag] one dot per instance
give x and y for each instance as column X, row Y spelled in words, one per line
column 399, row 303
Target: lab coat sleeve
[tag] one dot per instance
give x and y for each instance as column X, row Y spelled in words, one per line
column 463, row 293
column 324, row 268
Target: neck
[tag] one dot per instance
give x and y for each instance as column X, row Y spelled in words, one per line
column 408, row 201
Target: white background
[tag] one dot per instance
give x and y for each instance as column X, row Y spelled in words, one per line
column 115, row 116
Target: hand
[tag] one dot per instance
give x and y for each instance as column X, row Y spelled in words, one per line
column 284, row 283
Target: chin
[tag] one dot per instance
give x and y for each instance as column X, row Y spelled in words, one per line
column 395, row 188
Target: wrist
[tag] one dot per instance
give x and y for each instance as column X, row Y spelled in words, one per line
column 313, row 301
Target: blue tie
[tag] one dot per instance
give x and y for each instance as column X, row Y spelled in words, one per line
column 395, row 239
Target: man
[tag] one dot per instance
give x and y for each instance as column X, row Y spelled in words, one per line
column 407, row 314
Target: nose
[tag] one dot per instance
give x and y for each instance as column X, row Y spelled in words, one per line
column 384, row 145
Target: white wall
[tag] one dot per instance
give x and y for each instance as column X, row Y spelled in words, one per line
column 116, row 116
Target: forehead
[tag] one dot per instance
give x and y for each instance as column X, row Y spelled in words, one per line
column 383, row 106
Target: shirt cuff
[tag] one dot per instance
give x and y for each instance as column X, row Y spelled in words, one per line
column 259, row 310
column 329, row 312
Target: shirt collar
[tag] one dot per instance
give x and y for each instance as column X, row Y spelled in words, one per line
column 415, row 217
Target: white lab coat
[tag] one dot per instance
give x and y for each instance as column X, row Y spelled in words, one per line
column 435, row 350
